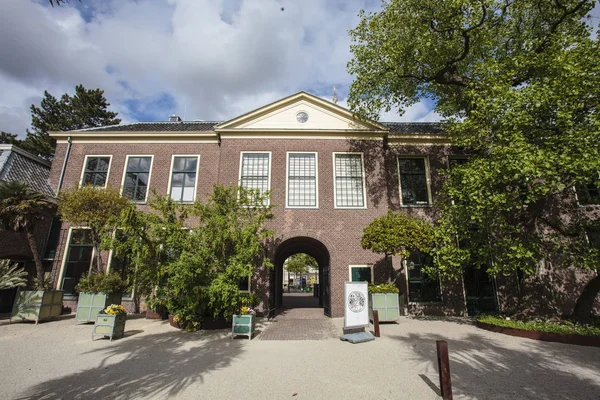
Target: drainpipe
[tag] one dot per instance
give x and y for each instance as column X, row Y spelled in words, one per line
column 62, row 172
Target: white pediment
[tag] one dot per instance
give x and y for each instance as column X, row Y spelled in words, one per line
column 287, row 114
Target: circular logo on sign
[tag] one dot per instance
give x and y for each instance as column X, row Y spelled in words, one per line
column 356, row 302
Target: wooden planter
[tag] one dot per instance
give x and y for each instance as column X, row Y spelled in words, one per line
column 109, row 325
column 173, row 323
column 37, row 305
column 90, row 304
column 387, row 305
column 160, row 314
column 243, row 325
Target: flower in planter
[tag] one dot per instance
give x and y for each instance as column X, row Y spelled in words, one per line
column 114, row 309
column 246, row 310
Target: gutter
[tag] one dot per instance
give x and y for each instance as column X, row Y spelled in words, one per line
column 62, row 172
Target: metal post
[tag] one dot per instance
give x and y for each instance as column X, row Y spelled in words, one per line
column 376, row 322
column 444, row 369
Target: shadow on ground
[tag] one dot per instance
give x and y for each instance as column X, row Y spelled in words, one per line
column 485, row 369
column 159, row 365
column 456, row 320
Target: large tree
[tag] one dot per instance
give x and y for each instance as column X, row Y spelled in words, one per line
column 519, row 85
column 87, row 108
column 95, row 208
column 20, row 210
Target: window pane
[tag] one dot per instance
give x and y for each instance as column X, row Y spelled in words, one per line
column 361, row 274
column 190, row 180
column 255, row 171
column 133, row 164
column 179, row 164
column 188, row 194
column 243, row 284
column 191, row 164
column 177, row 180
column 349, row 180
column 413, row 181
column 302, row 180
column 140, row 193
column 144, row 164
column 176, row 193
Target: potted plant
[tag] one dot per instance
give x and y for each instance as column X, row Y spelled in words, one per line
column 20, row 210
column 97, row 290
column 157, row 306
column 244, row 320
column 110, row 322
column 384, row 298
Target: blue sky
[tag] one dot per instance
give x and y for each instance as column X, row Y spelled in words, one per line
column 207, row 59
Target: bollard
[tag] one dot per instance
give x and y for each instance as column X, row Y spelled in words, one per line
column 376, row 322
column 444, row 369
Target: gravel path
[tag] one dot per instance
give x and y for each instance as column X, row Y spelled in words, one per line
column 59, row 360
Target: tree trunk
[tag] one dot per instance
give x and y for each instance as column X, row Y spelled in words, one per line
column 33, row 245
column 585, row 303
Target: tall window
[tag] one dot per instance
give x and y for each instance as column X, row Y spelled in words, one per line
column 79, row 257
column 421, row 288
column 95, row 171
column 349, row 181
column 137, row 178
column 302, row 180
column 588, row 194
column 183, row 178
column 413, row 181
column 254, row 171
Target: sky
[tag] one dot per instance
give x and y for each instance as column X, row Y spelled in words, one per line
column 199, row 59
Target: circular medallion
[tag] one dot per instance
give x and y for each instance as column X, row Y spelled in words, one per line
column 302, row 117
column 356, row 302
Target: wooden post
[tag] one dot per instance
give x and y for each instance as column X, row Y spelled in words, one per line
column 376, row 322
column 444, row 369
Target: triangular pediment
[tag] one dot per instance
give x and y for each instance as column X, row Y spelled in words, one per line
column 300, row 112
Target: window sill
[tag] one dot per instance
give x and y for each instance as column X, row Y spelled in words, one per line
column 425, row 303
column 416, row 205
column 300, row 208
column 350, row 208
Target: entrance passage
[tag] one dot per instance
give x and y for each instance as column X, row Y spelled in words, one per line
column 300, row 318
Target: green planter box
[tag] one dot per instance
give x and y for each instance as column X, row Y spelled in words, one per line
column 109, row 325
column 243, row 325
column 387, row 305
column 90, row 304
column 37, row 305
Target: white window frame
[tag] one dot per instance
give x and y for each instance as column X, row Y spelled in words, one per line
column 171, row 176
column 361, row 266
column 427, row 179
column 270, row 167
column 66, row 252
column 85, row 161
column 287, row 178
column 364, row 184
column 149, row 175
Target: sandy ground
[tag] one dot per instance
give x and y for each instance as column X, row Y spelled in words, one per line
column 59, row 360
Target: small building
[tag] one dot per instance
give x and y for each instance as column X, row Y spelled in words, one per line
column 17, row 164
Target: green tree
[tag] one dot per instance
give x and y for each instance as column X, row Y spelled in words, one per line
column 519, row 84
column 300, row 263
column 397, row 234
column 212, row 256
column 20, row 210
column 87, row 108
column 95, row 208
column 9, row 138
column 11, row 275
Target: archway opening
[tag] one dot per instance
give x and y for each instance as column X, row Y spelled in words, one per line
column 281, row 286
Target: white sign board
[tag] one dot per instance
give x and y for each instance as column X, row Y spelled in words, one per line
column 356, row 300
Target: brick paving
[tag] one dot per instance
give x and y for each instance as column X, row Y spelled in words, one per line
column 300, row 319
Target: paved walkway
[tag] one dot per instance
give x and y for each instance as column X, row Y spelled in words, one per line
column 59, row 360
column 301, row 318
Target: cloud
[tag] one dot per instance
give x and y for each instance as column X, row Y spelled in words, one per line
column 209, row 59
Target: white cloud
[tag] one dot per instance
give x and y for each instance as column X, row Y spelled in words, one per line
column 212, row 59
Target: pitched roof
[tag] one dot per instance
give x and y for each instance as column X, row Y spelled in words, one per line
column 156, row 126
column 18, row 165
column 414, row 128
column 395, row 128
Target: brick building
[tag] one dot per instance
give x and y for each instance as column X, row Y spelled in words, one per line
column 330, row 175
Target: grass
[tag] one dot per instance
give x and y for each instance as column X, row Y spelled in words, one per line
column 539, row 325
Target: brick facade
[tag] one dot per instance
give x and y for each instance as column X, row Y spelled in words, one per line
column 331, row 235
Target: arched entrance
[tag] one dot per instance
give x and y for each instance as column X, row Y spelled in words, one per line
column 315, row 249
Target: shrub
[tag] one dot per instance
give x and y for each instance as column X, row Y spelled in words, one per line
column 383, row 288
column 540, row 325
column 100, row 282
